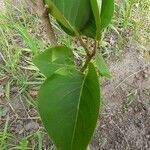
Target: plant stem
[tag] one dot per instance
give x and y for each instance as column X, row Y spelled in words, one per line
column 86, row 47
column 88, row 59
column 89, row 56
column 42, row 11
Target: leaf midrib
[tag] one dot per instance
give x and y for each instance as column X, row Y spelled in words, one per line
column 78, row 108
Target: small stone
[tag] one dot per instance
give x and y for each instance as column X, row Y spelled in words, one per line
column 31, row 126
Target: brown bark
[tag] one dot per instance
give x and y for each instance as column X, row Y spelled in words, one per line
column 42, row 11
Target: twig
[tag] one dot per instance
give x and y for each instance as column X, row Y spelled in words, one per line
column 86, row 48
column 42, row 11
column 88, row 59
column 90, row 55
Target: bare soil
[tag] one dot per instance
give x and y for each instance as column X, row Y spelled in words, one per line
column 124, row 123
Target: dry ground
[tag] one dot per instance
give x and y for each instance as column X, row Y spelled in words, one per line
column 125, row 118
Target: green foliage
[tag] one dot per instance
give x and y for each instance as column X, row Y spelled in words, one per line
column 68, row 103
column 103, row 12
column 54, row 59
column 102, row 67
column 86, row 17
column 68, row 13
column 69, row 99
column 106, row 12
column 96, row 7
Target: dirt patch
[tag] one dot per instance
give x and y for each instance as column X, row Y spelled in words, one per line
column 125, row 118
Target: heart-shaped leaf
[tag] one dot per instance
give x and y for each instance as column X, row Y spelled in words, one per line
column 53, row 59
column 68, row 104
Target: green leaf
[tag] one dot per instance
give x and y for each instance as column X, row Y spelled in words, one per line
column 100, row 17
column 90, row 28
column 96, row 7
column 68, row 104
column 53, row 59
column 107, row 12
column 82, row 17
column 102, row 67
column 72, row 14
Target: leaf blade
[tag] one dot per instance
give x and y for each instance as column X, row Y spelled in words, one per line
column 68, row 13
column 53, row 59
column 106, row 12
column 89, row 105
column 58, row 102
column 96, row 7
column 102, row 66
